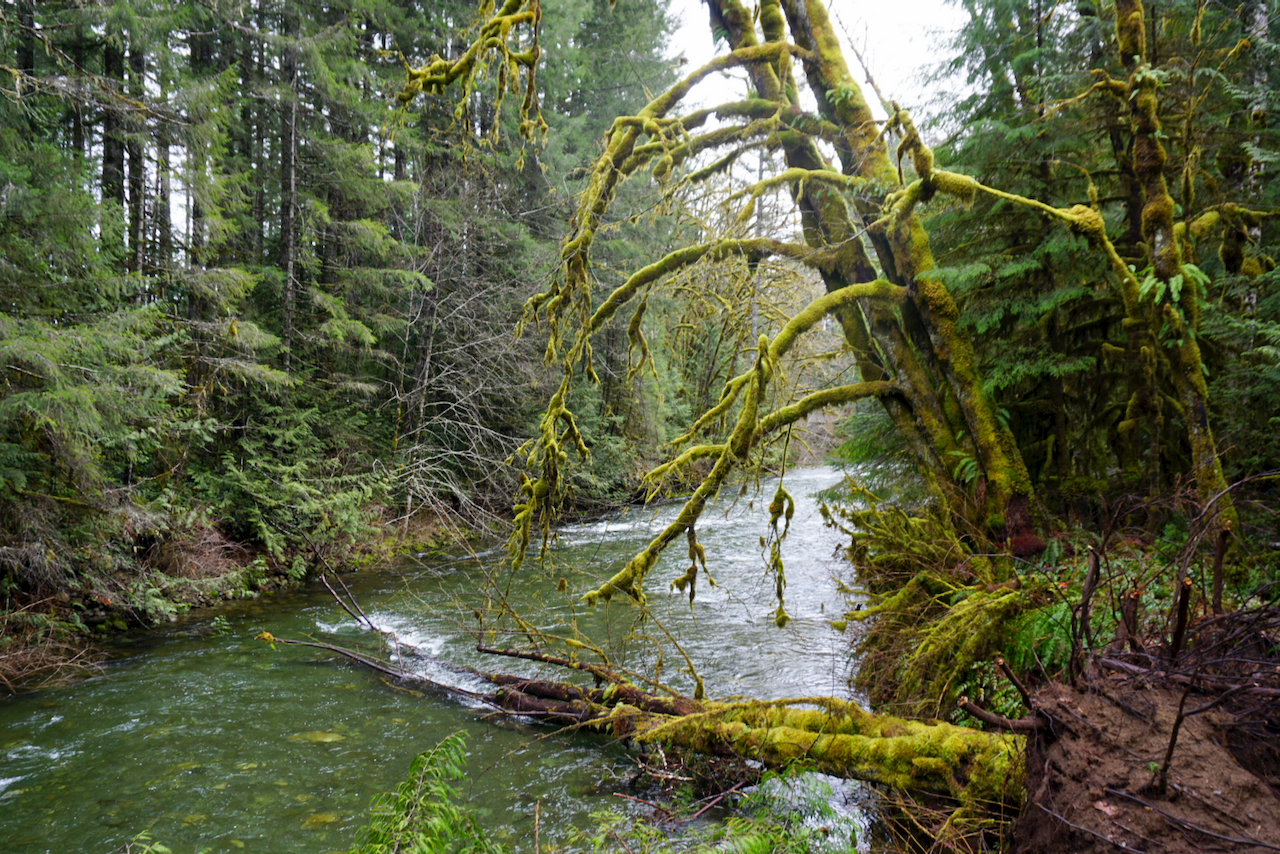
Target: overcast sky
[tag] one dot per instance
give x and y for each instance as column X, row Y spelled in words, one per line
column 895, row 37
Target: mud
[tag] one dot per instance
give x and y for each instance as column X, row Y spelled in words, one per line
column 1094, row 772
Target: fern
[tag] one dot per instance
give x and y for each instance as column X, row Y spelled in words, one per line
column 423, row 815
column 1041, row 639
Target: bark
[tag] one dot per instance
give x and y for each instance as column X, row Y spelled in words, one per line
column 137, row 161
column 1179, row 313
column 26, row 52
column 163, row 214
column 79, row 50
column 289, row 182
column 251, row 134
column 201, row 53
column 931, row 315
column 113, row 127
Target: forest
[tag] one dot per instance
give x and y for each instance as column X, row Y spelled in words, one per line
column 286, row 288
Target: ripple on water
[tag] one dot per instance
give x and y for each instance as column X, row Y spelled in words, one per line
column 194, row 734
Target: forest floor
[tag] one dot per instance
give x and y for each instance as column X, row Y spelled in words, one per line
column 1150, row 755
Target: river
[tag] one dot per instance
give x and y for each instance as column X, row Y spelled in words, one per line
column 212, row 741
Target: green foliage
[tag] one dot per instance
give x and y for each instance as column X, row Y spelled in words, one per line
column 1040, row 640
column 285, row 484
column 423, row 815
column 309, row 341
column 790, row 812
column 1245, row 376
column 875, row 454
column 82, row 401
column 1060, row 345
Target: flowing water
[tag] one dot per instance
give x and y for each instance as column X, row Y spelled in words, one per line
column 212, row 741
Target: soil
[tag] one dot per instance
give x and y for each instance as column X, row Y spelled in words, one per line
column 1093, row 772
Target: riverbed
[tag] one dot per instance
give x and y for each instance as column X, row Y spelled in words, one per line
column 210, row 740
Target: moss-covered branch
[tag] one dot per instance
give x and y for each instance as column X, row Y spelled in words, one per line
column 494, row 38
column 749, row 428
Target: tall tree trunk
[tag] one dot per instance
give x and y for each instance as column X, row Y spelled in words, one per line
column 1178, row 313
column 137, row 160
column 199, row 57
column 79, row 50
column 26, row 53
column 289, row 180
column 250, row 136
column 932, row 356
column 163, row 213
column 113, row 141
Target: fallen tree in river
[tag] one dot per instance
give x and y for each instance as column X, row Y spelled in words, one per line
column 1168, row 746
column 978, row 773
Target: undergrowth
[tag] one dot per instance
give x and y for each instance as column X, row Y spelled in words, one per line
column 944, row 607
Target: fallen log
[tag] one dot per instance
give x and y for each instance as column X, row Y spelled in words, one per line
column 974, row 769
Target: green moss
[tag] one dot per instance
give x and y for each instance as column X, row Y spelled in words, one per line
column 841, row 738
column 961, row 187
column 1089, row 222
column 1130, row 32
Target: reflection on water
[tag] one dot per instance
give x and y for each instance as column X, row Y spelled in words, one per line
column 214, row 741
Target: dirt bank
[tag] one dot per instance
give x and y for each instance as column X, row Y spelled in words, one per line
column 1100, row 773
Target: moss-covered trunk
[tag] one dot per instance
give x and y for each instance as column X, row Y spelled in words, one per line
column 1168, row 304
column 920, row 345
column 979, row 771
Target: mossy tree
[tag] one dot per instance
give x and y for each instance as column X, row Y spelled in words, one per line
column 859, row 187
column 861, row 231
column 1092, row 373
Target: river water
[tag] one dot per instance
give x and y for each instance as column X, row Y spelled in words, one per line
column 212, row 741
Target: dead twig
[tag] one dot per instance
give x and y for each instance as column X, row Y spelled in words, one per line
column 1194, row 828
column 991, row 718
column 1203, row 681
column 1162, row 782
column 717, row 799
column 1070, row 824
column 1014, row 680
column 657, row 807
column 1084, row 634
column 1219, row 556
column 1180, row 625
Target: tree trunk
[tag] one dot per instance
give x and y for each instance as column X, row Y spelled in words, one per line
column 289, row 182
column 1179, row 313
column 980, row 771
column 163, row 214
column 137, row 161
column 931, row 357
column 113, row 130
column 199, row 60
column 26, row 52
column 79, row 50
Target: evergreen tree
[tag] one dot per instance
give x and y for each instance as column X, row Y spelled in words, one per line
column 1059, row 358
